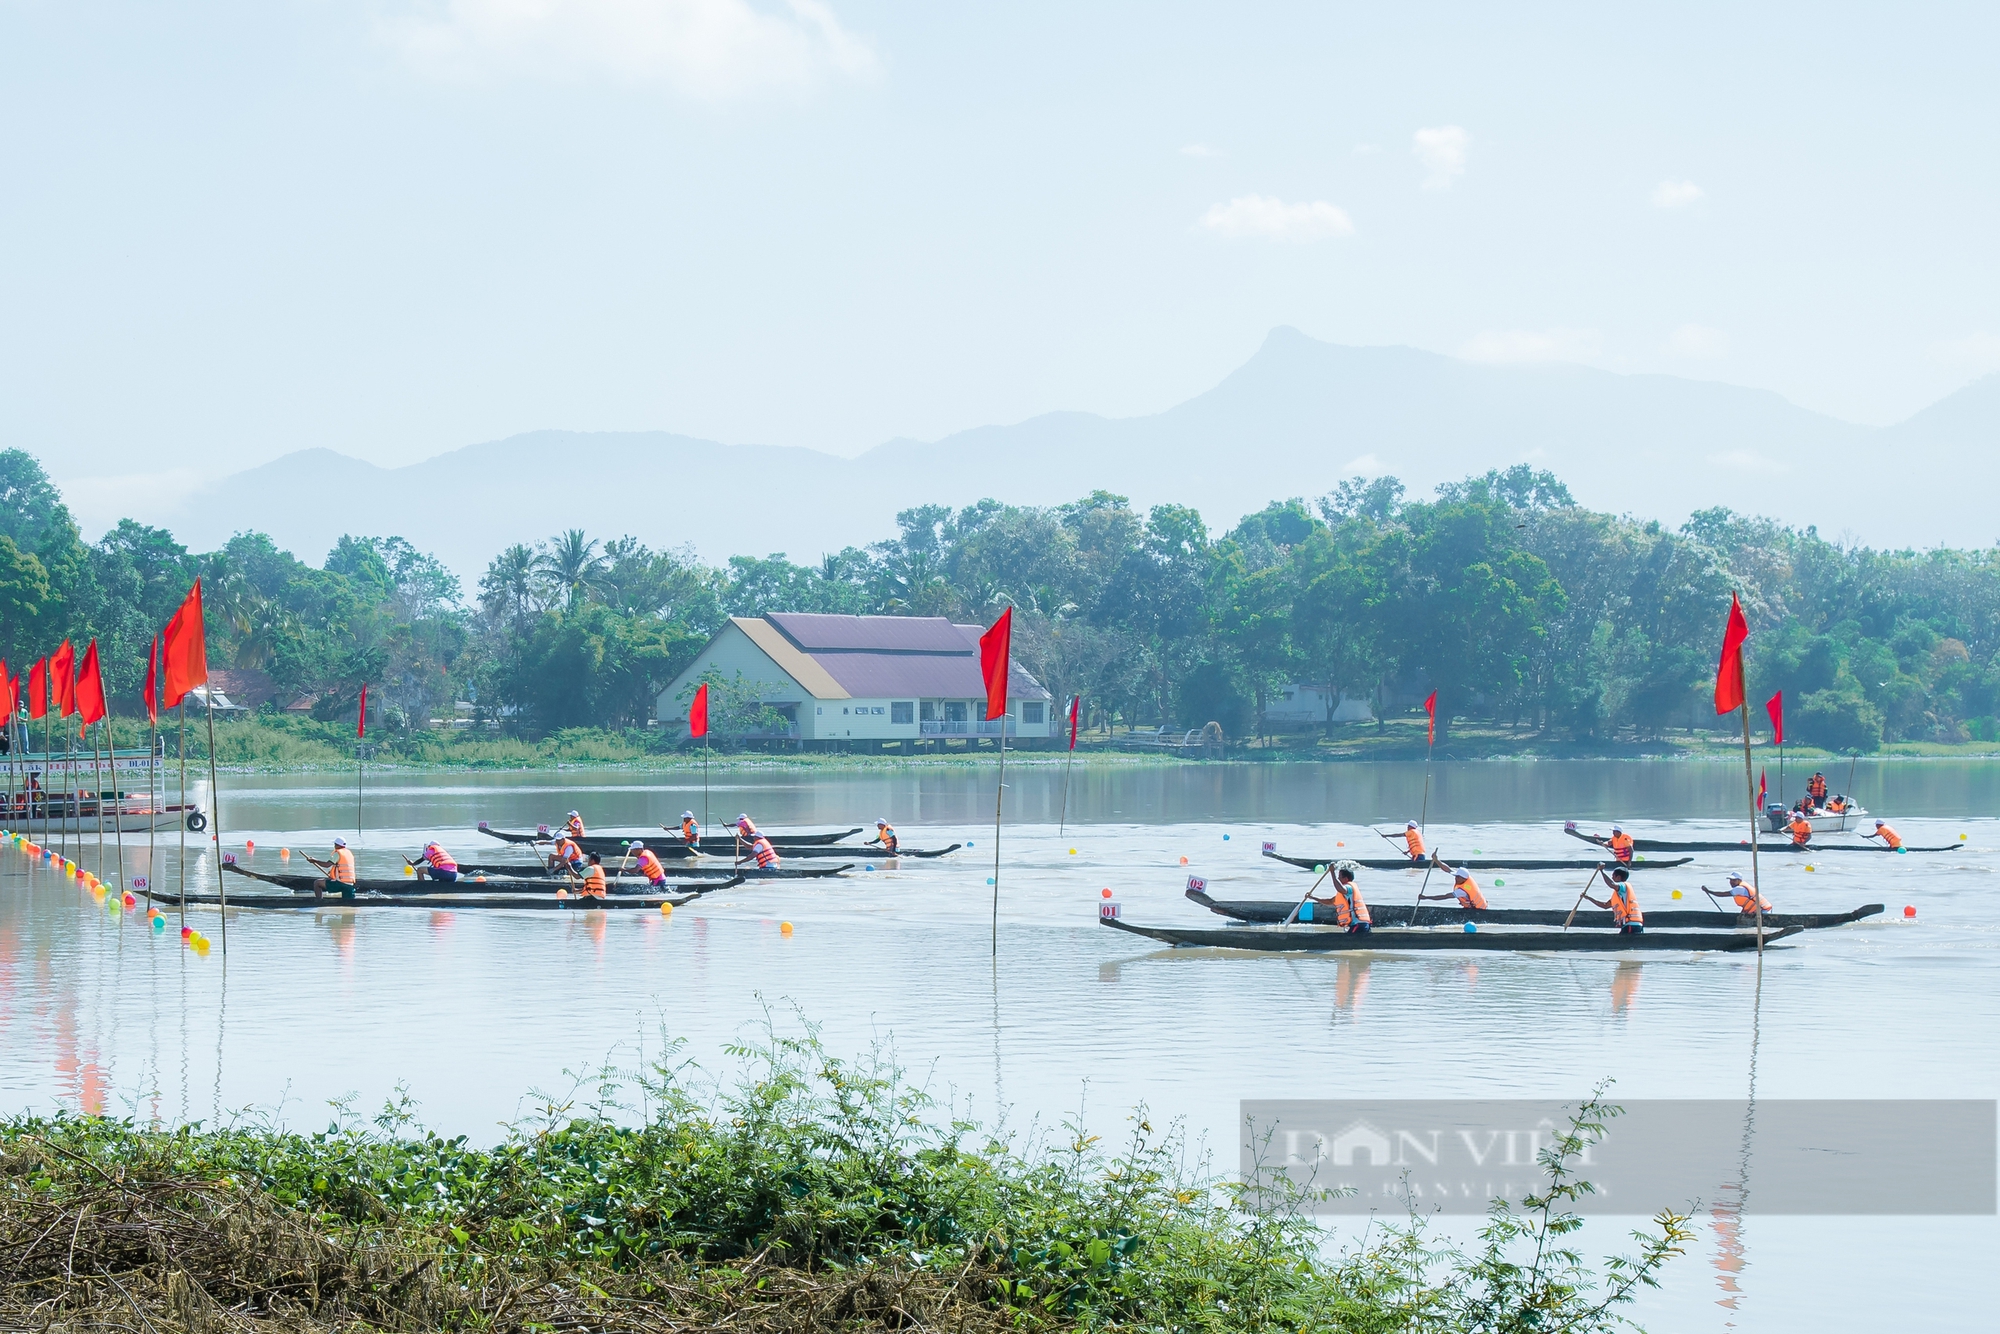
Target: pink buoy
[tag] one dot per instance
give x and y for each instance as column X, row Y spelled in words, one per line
column 1104, row 893
column 1909, row 910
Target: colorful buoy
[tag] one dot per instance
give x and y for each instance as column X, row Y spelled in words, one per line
column 1499, row 884
column 1471, row 927
column 1677, row 893
column 1225, row 838
column 1909, row 910
column 1072, row 852
column 784, row 928
column 666, row 910
column 1104, row 893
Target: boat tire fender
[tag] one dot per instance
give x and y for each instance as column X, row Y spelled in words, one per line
column 196, row 822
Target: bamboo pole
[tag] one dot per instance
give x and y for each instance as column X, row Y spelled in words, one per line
column 1750, row 784
column 182, row 803
column 215, row 818
column 1076, row 707
column 97, row 781
column 999, row 795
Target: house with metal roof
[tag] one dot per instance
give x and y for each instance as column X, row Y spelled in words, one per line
column 818, row 678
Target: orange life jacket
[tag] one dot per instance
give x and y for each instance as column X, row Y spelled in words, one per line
column 1347, row 905
column 1621, row 847
column 690, row 831
column 1468, row 893
column 1747, row 899
column 649, row 866
column 343, row 867
column 439, row 859
column 1801, row 832
column 1817, row 787
column 1625, row 908
column 568, row 851
column 1415, row 842
column 593, row 883
column 1889, row 837
column 886, row 836
column 1837, row 805
column 767, row 856
column 575, row 827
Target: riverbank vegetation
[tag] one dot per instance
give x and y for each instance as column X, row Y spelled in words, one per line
column 815, row 1194
column 1523, row 610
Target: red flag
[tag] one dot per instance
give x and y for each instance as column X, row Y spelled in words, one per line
column 38, row 689
column 1729, row 672
column 1075, row 708
column 152, row 691
column 361, row 723
column 90, row 687
column 996, row 650
column 184, row 650
column 1431, row 707
column 1775, row 706
column 698, row 712
column 62, row 679
column 1760, row 789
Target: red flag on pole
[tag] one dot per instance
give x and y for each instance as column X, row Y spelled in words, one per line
column 62, row 679
column 1775, row 706
column 38, row 689
column 1075, row 708
column 90, row 687
column 1431, row 708
column 698, row 712
column 361, row 723
column 1760, row 789
column 152, row 691
column 996, row 649
column 1729, row 672
column 184, row 649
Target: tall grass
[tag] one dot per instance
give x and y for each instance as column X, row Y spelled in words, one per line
column 814, row 1193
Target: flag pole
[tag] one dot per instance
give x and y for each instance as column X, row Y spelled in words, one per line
column 999, row 793
column 118, row 804
column 183, row 802
column 97, row 781
column 215, row 816
column 1751, row 787
column 1075, row 708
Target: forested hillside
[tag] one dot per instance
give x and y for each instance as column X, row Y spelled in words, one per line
column 1512, row 601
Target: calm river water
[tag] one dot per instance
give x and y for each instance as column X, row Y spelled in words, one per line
column 472, row 1011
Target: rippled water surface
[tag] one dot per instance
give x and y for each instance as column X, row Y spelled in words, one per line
column 472, row 1010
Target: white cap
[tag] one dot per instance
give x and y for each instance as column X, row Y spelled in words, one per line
column 1411, row 825
column 1879, row 824
column 340, row 842
column 687, row 815
column 637, row 846
column 429, row 846
column 1617, row 829
column 573, row 815
column 741, row 818
column 881, row 824
column 1461, row 874
column 1736, row 877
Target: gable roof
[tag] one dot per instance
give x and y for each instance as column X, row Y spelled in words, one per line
column 882, row 657
column 794, row 663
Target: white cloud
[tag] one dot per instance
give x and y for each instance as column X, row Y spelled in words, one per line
column 1368, row 465
column 1274, row 219
column 1442, row 150
column 1200, row 150
column 1513, row 345
column 1744, row 460
column 1979, row 351
column 1698, row 342
column 1676, row 194
column 708, row 49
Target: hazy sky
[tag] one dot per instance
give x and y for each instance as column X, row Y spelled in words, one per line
column 230, row 230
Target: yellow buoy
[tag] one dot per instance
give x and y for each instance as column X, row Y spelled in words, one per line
column 784, row 928
column 1677, row 893
column 666, row 910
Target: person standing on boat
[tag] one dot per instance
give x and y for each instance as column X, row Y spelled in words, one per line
column 1624, row 907
column 1890, row 838
column 574, row 826
column 1463, row 887
column 649, row 865
column 1620, row 844
column 1414, row 841
column 436, row 864
column 690, row 831
column 1800, row 829
column 885, row 834
column 594, row 883
column 1816, row 788
column 1349, row 910
column 1746, row 899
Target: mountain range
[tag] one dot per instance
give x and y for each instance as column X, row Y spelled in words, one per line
column 1294, row 420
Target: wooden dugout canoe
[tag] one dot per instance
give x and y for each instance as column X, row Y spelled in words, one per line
column 1471, row 863
column 1319, row 940
column 1445, row 914
column 1661, row 845
column 514, row 902
column 408, row 887
column 532, row 871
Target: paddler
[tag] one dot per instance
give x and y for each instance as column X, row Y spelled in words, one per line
column 690, row 831
column 1413, row 841
column 574, row 825
column 1800, row 829
column 885, row 834
column 435, row 864
column 766, row 855
column 1624, row 908
column 1746, row 899
column 1816, row 788
column 594, row 883
column 568, row 852
column 1463, row 887
column 1890, row 838
column 1345, row 899
column 339, row 871
column 1620, row 844
column 649, row 865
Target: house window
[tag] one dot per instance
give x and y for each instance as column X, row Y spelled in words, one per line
column 1031, row 711
column 929, row 714
column 901, row 712
column 954, row 710
column 874, row 709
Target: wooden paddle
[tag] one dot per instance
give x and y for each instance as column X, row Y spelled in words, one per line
column 1595, row 871
column 1419, row 905
column 1325, row 871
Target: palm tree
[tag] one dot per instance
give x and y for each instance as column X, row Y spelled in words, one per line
column 508, row 588
column 572, row 564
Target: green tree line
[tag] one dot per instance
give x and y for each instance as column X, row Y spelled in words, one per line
column 1513, row 602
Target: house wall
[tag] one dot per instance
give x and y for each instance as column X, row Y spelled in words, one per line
column 875, row 719
column 730, row 652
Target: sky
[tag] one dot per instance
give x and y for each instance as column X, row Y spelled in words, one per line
column 230, row 230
